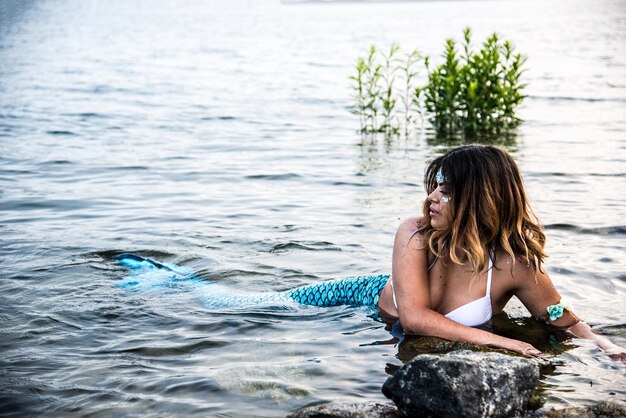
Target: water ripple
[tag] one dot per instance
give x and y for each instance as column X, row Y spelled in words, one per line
column 307, row 246
column 285, row 176
column 607, row 230
column 165, row 351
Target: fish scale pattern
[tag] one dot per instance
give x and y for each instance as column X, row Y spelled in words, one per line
column 229, row 299
column 355, row 291
column 358, row 291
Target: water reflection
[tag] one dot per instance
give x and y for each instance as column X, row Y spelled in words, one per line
column 445, row 142
column 379, row 152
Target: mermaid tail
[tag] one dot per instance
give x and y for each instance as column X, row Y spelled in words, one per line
column 355, row 291
column 149, row 274
column 135, row 262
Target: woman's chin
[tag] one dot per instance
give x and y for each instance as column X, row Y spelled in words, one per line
column 437, row 223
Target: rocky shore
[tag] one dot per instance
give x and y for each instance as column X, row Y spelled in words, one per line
column 461, row 381
column 463, row 384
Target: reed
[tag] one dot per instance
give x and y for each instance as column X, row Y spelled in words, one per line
column 470, row 93
column 383, row 87
column 367, row 91
column 387, row 97
column 411, row 95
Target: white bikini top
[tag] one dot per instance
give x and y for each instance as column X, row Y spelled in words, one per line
column 472, row 314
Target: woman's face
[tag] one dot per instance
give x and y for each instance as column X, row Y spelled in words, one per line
column 440, row 207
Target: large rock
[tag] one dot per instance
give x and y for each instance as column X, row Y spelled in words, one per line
column 463, row 384
column 599, row 410
column 348, row 410
column 413, row 345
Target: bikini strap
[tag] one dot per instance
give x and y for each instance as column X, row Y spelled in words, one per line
column 433, row 263
column 436, row 257
column 492, row 255
column 393, row 293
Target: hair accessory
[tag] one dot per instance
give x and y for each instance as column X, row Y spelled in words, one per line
column 556, row 311
column 439, row 177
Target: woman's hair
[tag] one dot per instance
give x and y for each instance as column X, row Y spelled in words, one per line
column 488, row 206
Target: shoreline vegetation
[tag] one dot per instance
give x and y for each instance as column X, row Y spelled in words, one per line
column 473, row 93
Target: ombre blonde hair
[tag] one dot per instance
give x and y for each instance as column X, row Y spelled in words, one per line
column 488, row 207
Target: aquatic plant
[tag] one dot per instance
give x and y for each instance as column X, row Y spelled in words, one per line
column 442, row 93
column 367, row 91
column 359, row 92
column 477, row 91
column 411, row 95
column 377, row 90
column 387, row 95
column 468, row 94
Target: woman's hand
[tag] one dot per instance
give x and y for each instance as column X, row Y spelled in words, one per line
column 524, row 349
column 616, row 353
column 582, row 330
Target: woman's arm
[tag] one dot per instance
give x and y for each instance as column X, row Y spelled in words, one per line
column 411, row 285
column 537, row 292
column 582, row 330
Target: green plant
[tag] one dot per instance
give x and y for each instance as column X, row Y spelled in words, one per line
column 411, row 95
column 477, row 92
column 377, row 91
column 367, row 91
column 386, row 94
column 359, row 91
column 442, row 93
column 469, row 94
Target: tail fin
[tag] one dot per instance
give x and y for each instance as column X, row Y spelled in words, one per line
column 136, row 262
column 147, row 273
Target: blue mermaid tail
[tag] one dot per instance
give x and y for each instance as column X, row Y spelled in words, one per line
column 149, row 274
column 355, row 291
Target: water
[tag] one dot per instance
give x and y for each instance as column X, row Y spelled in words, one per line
column 216, row 135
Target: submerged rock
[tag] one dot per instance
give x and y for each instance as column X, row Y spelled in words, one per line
column 348, row 410
column 463, row 384
column 599, row 410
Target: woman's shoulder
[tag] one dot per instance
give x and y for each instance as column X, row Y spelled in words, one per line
column 412, row 221
column 408, row 233
column 410, row 225
column 518, row 267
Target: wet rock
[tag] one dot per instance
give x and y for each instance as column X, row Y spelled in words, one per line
column 348, row 410
column 413, row 346
column 463, row 384
column 599, row 410
column 433, row 345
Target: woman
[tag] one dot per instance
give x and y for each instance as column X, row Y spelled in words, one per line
column 477, row 244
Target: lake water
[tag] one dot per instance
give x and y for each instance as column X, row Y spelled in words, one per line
column 216, row 135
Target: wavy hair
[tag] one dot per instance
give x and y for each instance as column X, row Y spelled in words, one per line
column 488, row 207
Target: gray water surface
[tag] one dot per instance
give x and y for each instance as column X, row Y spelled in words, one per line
column 216, row 135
